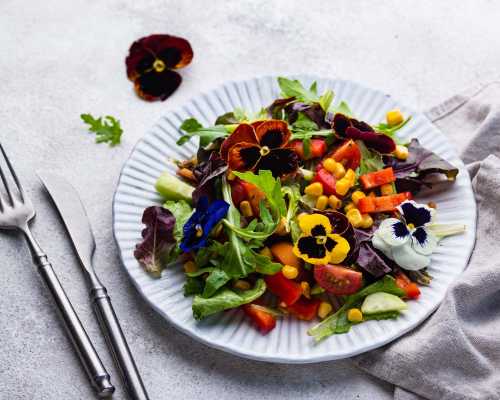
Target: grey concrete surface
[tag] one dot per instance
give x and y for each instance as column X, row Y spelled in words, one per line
column 61, row 58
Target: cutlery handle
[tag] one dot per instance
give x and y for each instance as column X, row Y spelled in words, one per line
column 98, row 375
column 116, row 340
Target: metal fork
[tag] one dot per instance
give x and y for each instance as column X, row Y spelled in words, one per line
column 16, row 210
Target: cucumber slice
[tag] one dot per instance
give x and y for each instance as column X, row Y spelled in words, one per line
column 381, row 302
column 172, row 188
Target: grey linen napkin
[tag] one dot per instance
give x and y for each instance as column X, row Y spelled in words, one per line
column 455, row 353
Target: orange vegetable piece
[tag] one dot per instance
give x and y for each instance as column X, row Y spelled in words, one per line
column 282, row 251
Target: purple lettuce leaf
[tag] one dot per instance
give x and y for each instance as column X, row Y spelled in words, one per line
column 421, row 168
column 368, row 258
column 206, row 173
column 158, row 241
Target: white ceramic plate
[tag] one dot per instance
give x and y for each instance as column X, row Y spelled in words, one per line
column 230, row 331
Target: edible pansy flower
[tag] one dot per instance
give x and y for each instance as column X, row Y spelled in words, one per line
column 318, row 244
column 408, row 241
column 202, row 221
column 359, row 130
column 260, row 145
column 150, row 64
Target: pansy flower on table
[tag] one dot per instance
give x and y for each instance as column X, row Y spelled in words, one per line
column 294, row 204
column 151, row 65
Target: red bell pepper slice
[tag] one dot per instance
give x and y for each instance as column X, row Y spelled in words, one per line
column 382, row 203
column 264, row 321
column 327, row 180
column 304, row 309
column 317, row 149
column 411, row 288
column 377, row 178
column 287, row 290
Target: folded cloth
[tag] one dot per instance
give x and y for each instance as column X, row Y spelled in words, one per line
column 455, row 353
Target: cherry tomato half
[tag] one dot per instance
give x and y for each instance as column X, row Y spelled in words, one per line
column 337, row 279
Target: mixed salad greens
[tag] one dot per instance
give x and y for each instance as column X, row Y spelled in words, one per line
column 301, row 201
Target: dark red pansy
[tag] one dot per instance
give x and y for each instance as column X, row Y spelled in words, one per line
column 150, row 64
column 260, row 145
column 376, row 141
column 359, row 130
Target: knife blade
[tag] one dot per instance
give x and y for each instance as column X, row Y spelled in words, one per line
column 73, row 214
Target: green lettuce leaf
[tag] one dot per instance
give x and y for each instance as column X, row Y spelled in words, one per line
column 193, row 286
column 338, row 323
column 225, row 299
column 371, row 160
column 216, row 279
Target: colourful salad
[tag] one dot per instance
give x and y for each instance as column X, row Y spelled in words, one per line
column 296, row 208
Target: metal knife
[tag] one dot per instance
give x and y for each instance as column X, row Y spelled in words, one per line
column 74, row 217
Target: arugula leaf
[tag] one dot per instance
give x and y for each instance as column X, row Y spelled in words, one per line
column 304, row 123
column 204, row 255
column 265, row 266
column 371, row 160
column 270, row 186
column 342, row 108
column 214, row 282
column 338, row 323
column 293, row 88
column 256, row 231
column 107, row 129
column 225, row 299
column 207, row 135
column 293, row 194
column 238, row 259
column 391, row 130
column 325, row 100
column 193, row 286
column 301, row 135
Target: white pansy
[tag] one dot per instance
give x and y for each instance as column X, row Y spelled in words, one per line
column 408, row 242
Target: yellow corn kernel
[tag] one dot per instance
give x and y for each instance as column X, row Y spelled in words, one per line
column 306, row 289
column 354, row 217
column 354, row 315
column 190, row 266
column 266, row 252
column 367, row 221
column 356, row 196
column 314, row 189
column 322, row 202
column 349, row 206
column 401, row 152
column 339, row 171
column 324, row 309
column 334, row 202
column 289, row 272
column 350, row 176
column 230, row 176
column 386, row 189
column 342, row 186
column 240, row 284
column 329, row 164
column 394, row 117
column 246, row 209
